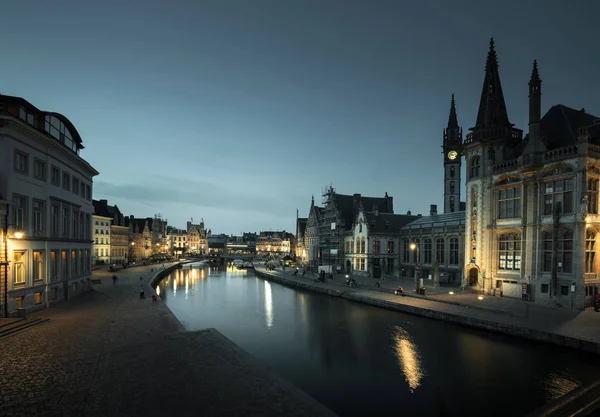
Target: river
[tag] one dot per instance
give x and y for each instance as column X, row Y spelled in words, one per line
column 361, row 360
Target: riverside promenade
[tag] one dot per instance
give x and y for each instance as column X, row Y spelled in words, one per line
column 576, row 329
column 109, row 353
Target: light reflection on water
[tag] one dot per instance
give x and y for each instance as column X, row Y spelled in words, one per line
column 361, row 360
column 409, row 358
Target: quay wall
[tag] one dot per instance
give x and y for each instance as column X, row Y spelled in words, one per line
column 465, row 320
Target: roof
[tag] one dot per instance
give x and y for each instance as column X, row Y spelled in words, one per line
column 348, row 209
column 444, row 219
column 387, row 222
column 560, row 126
column 101, row 208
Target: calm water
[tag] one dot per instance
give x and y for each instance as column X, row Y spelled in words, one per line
column 365, row 361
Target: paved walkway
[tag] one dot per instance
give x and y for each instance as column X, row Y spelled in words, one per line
column 108, row 353
column 581, row 325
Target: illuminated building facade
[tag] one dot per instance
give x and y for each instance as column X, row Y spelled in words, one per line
column 47, row 190
column 101, row 227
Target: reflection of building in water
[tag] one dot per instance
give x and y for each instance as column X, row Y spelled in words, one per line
column 408, row 358
column 268, row 305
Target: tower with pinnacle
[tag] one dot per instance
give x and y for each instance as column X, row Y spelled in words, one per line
column 452, row 150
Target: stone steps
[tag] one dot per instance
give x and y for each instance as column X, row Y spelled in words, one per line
column 11, row 327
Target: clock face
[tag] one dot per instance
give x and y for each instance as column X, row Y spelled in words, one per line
column 452, row 155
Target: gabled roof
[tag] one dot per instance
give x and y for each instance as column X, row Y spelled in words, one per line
column 386, row 222
column 560, row 126
column 444, row 219
column 348, row 208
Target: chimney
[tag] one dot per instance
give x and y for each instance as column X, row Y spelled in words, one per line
column 433, row 210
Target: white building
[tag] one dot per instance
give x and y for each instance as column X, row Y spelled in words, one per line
column 101, row 226
column 47, row 191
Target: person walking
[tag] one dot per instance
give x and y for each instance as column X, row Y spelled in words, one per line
column 114, row 278
column 142, row 294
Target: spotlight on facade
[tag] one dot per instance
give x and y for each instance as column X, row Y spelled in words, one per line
column 451, row 293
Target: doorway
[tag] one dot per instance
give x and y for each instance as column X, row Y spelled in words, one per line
column 473, row 276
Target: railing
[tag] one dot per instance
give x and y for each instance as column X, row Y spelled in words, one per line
column 510, row 165
column 494, row 133
column 560, row 153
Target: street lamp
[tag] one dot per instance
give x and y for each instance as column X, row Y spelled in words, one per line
column 17, row 234
column 415, row 247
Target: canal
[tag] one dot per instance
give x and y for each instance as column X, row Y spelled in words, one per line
column 361, row 360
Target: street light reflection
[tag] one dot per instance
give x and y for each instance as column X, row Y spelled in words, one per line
column 556, row 385
column 408, row 358
column 268, row 305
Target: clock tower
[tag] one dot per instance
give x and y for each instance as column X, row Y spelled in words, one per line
column 452, row 149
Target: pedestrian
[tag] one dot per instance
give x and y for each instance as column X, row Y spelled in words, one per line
column 154, row 299
column 114, row 277
column 140, row 278
column 142, row 295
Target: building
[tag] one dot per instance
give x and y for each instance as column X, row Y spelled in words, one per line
column 275, row 243
column 197, row 243
column 47, row 190
column 301, row 250
column 119, row 233
column 140, row 247
column 101, row 226
column 371, row 244
column 532, row 218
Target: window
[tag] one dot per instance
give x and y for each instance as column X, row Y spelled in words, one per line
column 38, row 298
column 559, row 193
column 66, row 180
column 545, row 288
column 81, row 225
column 590, row 251
column 38, row 265
column 76, row 186
column 376, row 246
column 406, row 250
column 451, row 187
column 491, row 154
column 453, row 251
column 82, row 190
column 20, row 302
column 20, row 212
column 509, row 203
column 509, row 252
column 54, row 293
column 475, row 166
column 592, row 191
column 27, row 116
column 73, row 263
column 55, row 176
column 21, row 162
column 439, row 250
column 88, row 192
column 96, row 225
column 57, row 129
column 19, row 264
column 75, row 225
column 564, row 290
column 363, row 264
column 363, row 246
column 65, row 263
column 65, row 222
column 39, row 169
column 452, row 171
column 390, row 246
column 451, row 203
column 54, row 219
column 38, row 218
column 427, row 251
column 53, row 265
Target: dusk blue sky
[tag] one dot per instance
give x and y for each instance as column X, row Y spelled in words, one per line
column 237, row 111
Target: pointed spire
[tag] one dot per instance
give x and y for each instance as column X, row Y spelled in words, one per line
column 492, row 108
column 535, row 75
column 452, row 119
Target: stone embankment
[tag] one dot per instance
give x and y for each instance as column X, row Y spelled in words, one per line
column 580, row 330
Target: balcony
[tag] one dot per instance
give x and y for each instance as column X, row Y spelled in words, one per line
column 560, row 153
column 506, row 132
column 510, row 165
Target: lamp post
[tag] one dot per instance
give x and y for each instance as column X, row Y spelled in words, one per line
column 415, row 247
column 18, row 234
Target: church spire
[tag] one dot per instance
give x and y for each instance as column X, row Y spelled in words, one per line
column 452, row 119
column 535, row 95
column 492, row 109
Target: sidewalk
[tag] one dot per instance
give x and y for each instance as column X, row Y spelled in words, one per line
column 563, row 327
column 109, row 353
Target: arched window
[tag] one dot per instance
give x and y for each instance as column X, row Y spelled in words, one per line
column 453, row 251
column 452, row 171
column 451, row 187
column 451, row 203
column 475, row 165
column 363, row 246
column 509, row 252
column 427, row 251
column 357, row 245
column 590, row 251
column 491, row 154
column 439, row 250
column 418, row 247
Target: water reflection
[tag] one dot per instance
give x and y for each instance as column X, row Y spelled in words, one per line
column 557, row 384
column 408, row 358
column 268, row 305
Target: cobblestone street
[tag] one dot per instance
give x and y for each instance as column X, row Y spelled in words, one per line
column 108, row 353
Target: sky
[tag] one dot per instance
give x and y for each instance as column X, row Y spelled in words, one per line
column 238, row 111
